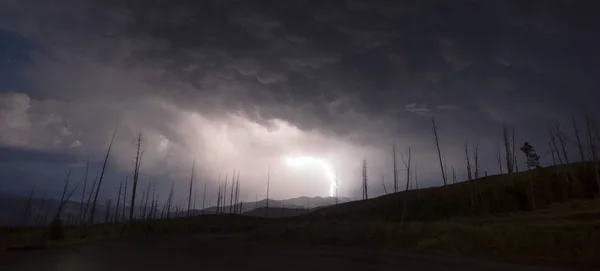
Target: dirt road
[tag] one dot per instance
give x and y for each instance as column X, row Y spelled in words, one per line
column 213, row 253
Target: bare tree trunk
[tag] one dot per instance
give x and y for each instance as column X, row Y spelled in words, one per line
column 27, row 207
column 40, row 212
column 476, row 158
column 136, row 175
column 499, row 159
column 365, row 181
column 169, row 201
column 268, row 184
column 445, row 164
column 195, row 198
column 562, row 140
column 382, row 182
column 471, row 183
column 231, row 194
column 145, row 202
column 203, row 198
column 515, row 163
column 189, row 212
column 116, row 216
column 552, row 153
column 507, row 151
column 124, row 200
column 64, row 194
column 89, row 200
column 107, row 217
column 553, row 141
column 593, row 152
column 437, row 144
column 218, row 195
column 224, row 194
column 93, row 211
column 579, row 145
column 416, row 178
column 87, row 166
column 237, row 193
column 405, row 197
column 453, row 175
column 469, row 176
column 153, row 199
column 395, row 170
column 337, row 188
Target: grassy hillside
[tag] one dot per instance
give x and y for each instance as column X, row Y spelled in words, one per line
column 524, row 191
column 492, row 216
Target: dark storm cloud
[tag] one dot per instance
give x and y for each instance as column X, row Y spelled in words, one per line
column 362, row 72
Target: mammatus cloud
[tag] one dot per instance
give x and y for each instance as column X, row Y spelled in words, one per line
column 239, row 85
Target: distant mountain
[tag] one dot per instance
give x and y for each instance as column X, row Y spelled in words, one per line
column 41, row 210
column 307, row 203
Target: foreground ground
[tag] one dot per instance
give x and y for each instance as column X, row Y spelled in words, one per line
column 203, row 252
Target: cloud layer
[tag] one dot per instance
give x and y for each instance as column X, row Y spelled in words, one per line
column 241, row 85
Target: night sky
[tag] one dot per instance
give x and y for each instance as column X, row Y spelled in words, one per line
column 247, row 85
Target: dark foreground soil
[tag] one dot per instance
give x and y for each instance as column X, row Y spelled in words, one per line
column 208, row 253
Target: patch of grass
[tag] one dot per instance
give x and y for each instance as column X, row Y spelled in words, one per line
column 564, row 242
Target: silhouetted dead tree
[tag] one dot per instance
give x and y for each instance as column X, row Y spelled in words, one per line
column 382, row 182
column 499, row 158
column 203, row 198
column 268, row 186
column 40, row 212
column 555, row 146
column 592, row 145
column 66, row 196
column 219, row 194
column 124, row 201
column 102, row 172
column 145, row 199
column 453, row 175
column 116, row 216
column 476, row 159
column 136, row 175
column 515, row 161
column 27, row 208
column 469, row 175
column 89, row 200
column 155, row 213
column 470, row 178
column 395, row 169
column 552, row 153
column 107, row 215
column 231, row 194
column 365, row 180
column 579, row 145
column 416, row 178
column 195, row 198
column 189, row 212
column 562, row 140
column 507, row 152
column 337, row 188
column 87, row 166
column 153, row 199
column 405, row 197
column 237, row 194
column 224, row 194
column 437, row 145
column 169, row 202
column 445, row 164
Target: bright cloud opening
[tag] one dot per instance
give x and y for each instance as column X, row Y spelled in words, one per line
column 301, row 161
